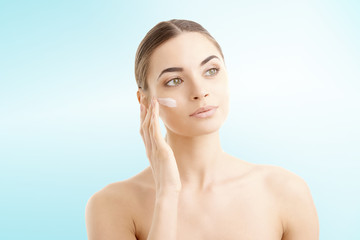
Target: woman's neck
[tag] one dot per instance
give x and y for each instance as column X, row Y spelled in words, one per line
column 200, row 159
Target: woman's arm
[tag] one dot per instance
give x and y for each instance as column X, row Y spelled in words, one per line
column 300, row 219
column 104, row 221
column 164, row 222
column 165, row 173
column 108, row 215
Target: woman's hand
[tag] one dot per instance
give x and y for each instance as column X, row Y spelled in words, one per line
column 159, row 153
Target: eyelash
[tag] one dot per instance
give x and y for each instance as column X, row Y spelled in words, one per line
column 216, row 69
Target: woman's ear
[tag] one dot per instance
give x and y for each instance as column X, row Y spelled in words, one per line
column 142, row 98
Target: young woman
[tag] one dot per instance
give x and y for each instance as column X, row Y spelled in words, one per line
column 192, row 188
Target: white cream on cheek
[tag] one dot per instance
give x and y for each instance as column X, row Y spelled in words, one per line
column 169, row 102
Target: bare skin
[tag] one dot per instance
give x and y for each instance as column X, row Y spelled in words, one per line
column 223, row 212
column 252, row 202
column 193, row 188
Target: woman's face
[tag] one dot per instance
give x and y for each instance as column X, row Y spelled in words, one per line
column 195, row 77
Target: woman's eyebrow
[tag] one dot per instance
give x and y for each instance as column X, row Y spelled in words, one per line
column 172, row 69
column 179, row 69
column 208, row 59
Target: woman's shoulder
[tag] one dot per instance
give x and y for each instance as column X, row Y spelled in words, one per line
column 111, row 210
column 114, row 206
column 275, row 177
column 282, row 181
column 125, row 189
column 110, row 199
column 293, row 197
column 277, row 180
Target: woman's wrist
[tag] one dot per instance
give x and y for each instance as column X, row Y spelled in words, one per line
column 167, row 194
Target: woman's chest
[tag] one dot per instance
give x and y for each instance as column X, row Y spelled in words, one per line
column 222, row 216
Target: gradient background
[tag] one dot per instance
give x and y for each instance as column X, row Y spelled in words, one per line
column 69, row 117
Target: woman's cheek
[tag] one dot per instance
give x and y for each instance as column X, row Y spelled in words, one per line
column 168, row 115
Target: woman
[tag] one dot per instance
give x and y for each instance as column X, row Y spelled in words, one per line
column 192, row 188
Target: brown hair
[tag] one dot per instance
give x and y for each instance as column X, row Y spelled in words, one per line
column 159, row 34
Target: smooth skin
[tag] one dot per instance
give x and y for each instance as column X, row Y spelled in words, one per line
column 192, row 188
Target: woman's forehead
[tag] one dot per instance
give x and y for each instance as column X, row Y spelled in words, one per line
column 185, row 50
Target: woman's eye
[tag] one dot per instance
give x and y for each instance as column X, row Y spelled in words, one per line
column 176, row 81
column 211, row 71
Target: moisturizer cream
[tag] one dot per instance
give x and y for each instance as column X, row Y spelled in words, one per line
column 169, row 102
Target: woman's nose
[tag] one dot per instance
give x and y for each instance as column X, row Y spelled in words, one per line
column 200, row 95
column 198, row 90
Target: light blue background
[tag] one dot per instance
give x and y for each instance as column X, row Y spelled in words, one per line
column 69, row 117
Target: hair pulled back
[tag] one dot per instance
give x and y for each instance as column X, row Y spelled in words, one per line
column 159, row 34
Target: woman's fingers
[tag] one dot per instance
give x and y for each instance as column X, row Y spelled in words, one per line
column 149, row 120
column 160, row 155
column 145, row 128
column 156, row 128
column 150, row 127
column 142, row 117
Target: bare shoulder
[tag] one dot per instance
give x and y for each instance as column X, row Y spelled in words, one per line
column 109, row 213
column 113, row 194
column 280, row 182
column 287, row 186
column 297, row 209
column 283, row 181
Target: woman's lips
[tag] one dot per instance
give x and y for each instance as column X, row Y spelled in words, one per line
column 204, row 112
